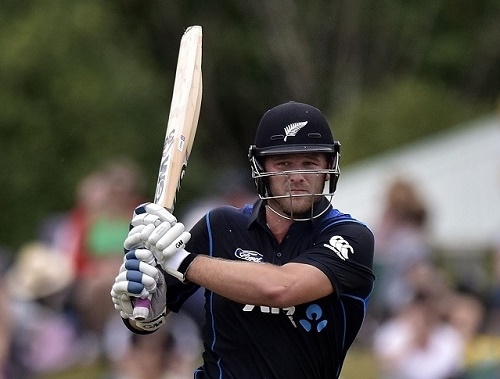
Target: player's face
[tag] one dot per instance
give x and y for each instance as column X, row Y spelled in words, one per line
column 297, row 189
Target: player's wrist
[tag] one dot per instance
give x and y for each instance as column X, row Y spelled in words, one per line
column 179, row 264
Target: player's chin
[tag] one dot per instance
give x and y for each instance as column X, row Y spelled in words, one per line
column 297, row 205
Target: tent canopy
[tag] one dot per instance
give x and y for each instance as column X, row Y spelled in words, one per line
column 458, row 175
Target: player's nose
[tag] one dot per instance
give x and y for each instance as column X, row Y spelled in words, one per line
column 296, row 176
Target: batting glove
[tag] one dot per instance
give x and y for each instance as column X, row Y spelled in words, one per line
column 145, row 219
column 138, row 279
column 158, row 231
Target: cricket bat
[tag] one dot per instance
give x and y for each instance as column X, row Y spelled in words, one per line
column 181, row 129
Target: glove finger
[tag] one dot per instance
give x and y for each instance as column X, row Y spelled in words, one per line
column 125, row 307
column 171, row 235
column 130, row 289
column 118, row 300
column 148, row 207
column 148, row 230
column 125, row 315
column 176, row 245
column 145, row 219
column 142, row 255
column 161, row 212
column 135, row 265
column 137, row 229
column 138, row 277
column 134, row 237
column 158, row 233
column 140, row 209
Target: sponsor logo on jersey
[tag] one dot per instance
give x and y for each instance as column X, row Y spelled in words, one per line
column 314, row 320
column 248, row 255
column 340, row 247
column 288, row 311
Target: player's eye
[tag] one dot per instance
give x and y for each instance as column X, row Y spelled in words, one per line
column 282, row 166
column 311, row 164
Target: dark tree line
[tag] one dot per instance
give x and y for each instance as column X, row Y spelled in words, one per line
column 86, row 80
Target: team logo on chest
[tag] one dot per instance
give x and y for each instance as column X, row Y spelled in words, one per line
column 248, row 255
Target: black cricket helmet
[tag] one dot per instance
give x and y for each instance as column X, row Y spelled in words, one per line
column 293, row 128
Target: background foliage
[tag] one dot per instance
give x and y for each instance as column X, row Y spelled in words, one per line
column 84, row 80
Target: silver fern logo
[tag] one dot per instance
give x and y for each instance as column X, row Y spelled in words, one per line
column 292, row 129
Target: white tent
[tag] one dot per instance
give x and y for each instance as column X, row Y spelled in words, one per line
column 458, row 174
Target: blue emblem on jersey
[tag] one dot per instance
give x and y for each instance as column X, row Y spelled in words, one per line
column 314, row 314
column 248, row 255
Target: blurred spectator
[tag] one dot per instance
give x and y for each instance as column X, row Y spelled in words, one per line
column 5, row 317
column 93, row 228
column 92, row 234
column 143, row 357
column 482, row 358
column 416, row 343
column 45, row 332
column 183, row 360
column 494, row 316
column 482, row 316
column 168, row 354
column 100, row 251
column 402, row 251
column 233, row 187
column 467, row 313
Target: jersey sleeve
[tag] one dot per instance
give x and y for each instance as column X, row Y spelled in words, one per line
column 344, row 253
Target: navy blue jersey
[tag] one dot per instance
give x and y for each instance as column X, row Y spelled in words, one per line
column 304, row 341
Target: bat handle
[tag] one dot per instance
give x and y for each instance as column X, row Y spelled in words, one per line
column 141, row 308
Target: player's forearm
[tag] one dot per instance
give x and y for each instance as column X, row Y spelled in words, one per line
column 256, row 283
column 239, row 281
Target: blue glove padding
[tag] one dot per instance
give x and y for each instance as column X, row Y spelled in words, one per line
column 139, row 279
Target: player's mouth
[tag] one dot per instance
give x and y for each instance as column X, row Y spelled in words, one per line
column 299, row 192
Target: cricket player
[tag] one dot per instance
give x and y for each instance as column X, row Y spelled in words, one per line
column 287, row 279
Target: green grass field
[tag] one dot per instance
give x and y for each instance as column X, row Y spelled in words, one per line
column 359, row 364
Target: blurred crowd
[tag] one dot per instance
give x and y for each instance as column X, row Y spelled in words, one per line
column 428, row 319
column 57, row 313
column 425, row 319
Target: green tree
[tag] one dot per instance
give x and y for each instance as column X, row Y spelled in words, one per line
column 85, row 80
column 76, row 89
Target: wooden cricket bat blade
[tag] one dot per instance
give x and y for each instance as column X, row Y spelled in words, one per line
column 183, row 117
column 181, row 129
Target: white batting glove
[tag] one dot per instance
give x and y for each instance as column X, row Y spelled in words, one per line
column 145, row 219
column 138, row 279
column 167, row 244
column 158, row 231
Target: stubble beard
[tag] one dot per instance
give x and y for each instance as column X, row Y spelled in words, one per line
column 292, row 206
